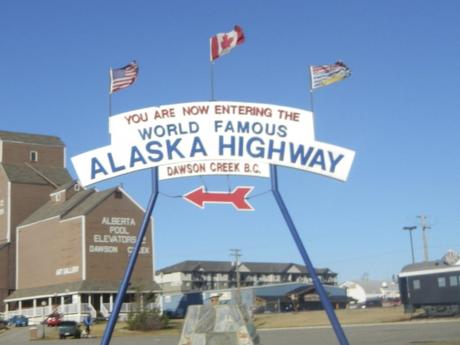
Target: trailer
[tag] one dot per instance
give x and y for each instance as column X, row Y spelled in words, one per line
column 433, row 286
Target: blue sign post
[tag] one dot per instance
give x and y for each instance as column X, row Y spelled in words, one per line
column 214, row 138
column 316, row 282
column 132, row 261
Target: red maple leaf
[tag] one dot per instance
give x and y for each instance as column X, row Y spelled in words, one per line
column 226, row 42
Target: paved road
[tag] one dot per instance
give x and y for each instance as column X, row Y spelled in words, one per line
column 406, row 333
column 386, row 334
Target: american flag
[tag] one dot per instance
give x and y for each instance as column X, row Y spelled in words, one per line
column 123, row 77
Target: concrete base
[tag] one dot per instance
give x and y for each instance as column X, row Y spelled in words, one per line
column 227, row 324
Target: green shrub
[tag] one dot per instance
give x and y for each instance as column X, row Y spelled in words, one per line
column 147, row 320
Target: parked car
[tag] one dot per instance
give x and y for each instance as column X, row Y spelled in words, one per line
column 69, row 329
column 3, row 324
column 53, row 320
column 19, row 321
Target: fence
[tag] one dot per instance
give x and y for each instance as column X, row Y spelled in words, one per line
column 69, row 311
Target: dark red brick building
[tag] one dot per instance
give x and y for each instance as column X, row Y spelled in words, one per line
column 62, row 247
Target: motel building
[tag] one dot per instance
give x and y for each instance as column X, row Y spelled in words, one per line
column 63, row 248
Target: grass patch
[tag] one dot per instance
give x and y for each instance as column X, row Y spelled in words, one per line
column 286, row 320
column 121, row 329
column 319, row 317
column 277, row 320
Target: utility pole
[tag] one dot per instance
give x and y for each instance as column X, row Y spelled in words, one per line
column 424, row 226
column 410, row 229
column 236, row 253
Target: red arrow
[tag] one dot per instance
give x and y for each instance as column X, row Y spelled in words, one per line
column 237, row 197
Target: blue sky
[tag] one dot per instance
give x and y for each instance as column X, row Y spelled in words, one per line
column 399, row 111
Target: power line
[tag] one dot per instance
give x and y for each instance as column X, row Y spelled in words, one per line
column 236, row 253
column 424, row 226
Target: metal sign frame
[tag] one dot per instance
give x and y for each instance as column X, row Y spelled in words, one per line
column 250, row 138
column 340, row 334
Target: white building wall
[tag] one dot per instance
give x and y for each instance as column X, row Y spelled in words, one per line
column 355, row 291
column 173, row 279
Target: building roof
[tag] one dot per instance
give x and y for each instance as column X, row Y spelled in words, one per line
column 428, row 265
column 330, row 290
column 27, row 175
column 277, row 290
column 287, row 289
column 91, row 202
column 66, row 186
column 190, row 266
column 78, row 205
column 53, row 209
column 92, row 286
column 30, row 138
column 271, row 267
column 226, row 266
column 372, row 287
column 450, row 262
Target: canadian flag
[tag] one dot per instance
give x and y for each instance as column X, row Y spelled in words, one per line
column 222, row 43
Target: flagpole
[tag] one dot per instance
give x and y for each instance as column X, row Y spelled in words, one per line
column 311, row 90
column 212, row 80
column 110, row 104
column 110, row 92
column 312, row 103
column 312, row 107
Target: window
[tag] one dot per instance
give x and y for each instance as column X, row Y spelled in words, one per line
column 118, row 195
column 442, row 282
column 453, row 281
column 416, row 284
column 33, row 156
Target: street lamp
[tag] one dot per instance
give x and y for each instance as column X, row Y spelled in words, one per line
column 410, row 229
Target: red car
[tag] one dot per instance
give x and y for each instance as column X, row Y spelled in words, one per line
column 53, row 320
